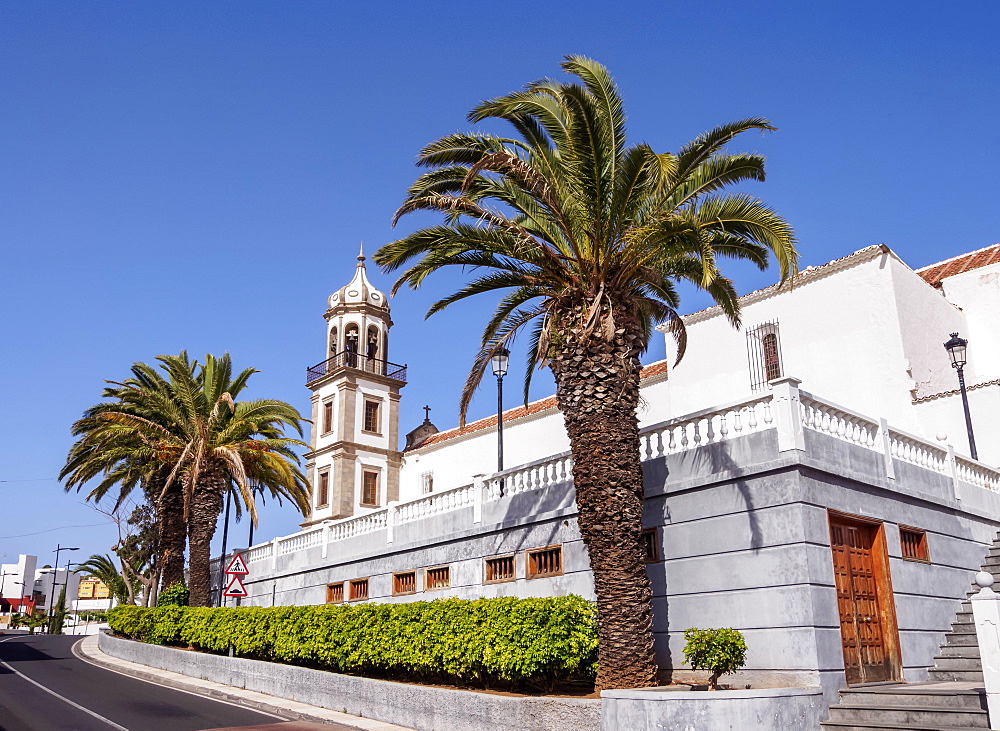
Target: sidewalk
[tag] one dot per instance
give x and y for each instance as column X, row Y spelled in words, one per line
column 88, row 651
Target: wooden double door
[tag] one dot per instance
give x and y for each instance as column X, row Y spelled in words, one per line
column 864, row 601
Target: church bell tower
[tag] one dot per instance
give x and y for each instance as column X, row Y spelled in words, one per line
column 355, row 459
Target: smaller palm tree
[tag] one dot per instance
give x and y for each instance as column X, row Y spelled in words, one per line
column 104, row 568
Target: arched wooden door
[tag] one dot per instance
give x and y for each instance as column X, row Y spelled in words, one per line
column 864, row 601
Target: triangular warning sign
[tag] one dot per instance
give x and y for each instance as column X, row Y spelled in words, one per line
column 238, row 566
column 235, row 588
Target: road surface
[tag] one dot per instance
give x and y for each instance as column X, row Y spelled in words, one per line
column 45, row 687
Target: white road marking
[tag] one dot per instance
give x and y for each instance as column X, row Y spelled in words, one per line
column 81, row 656
column 98, row 716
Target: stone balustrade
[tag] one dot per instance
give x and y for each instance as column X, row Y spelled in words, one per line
column 785, row 409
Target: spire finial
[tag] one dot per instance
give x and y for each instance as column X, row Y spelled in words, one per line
column 361, row 252
column 427, row 414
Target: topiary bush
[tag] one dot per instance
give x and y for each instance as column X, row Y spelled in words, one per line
column 481, row 642
column 721, row 651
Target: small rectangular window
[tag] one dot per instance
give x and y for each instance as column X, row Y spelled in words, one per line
column 323, row 497
column 359, row 589
column 369, row 489
column 545, row 562
column 335, row 593
column 371, row 416
column 327, row 416
column 913, row 543
column 499, row 569
column 650, row 546
column 764, row 353
column 437, row 578
column 404, row 582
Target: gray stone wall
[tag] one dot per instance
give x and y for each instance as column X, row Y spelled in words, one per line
column 744, row 536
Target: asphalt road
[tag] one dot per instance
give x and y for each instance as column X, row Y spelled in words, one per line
column 45, row 687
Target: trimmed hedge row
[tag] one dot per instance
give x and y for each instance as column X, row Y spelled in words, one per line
column 519, row 642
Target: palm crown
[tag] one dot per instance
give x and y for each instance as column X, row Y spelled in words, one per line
column 568, row 217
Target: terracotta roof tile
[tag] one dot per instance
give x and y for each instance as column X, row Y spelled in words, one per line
column 936, row 273
column 519, row 412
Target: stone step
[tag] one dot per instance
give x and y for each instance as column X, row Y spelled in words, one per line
column 962, row 638
column 911, row 715
column 968, row 651
column 956, row 663
column 904, row 694
column 941, row 676
column 874, row 726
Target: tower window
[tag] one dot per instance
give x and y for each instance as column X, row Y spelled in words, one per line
column 372, row 416
column 764, row 352
column 327, row 416
column 323, row 497
column 369, row 488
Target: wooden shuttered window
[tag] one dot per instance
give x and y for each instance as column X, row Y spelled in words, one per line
column 359, row 589
column 499, row 569
column 438, row 577
column 369, row 488
column 323, row 498
column 913, row 544
column 404, row 582
column 545, row 562
column 335, row 593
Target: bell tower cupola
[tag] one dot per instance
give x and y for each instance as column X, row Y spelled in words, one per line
column 355, row 459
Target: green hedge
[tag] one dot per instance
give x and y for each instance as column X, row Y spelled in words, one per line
column 485, row 642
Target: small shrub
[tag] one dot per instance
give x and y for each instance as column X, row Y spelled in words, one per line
column 721, row 651
column 175, row 595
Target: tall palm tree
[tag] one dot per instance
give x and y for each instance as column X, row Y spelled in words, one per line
column 111, row 447
column 588, row 237
column 188, row 432
column 215, row 442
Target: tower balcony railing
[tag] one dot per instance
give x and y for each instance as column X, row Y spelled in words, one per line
column 357, row 361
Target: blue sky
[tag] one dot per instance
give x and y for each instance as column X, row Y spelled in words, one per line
column 199, row 175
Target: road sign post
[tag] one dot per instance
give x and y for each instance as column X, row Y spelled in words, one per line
column 236, row 570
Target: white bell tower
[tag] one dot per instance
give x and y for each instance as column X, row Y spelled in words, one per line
column 354, row 462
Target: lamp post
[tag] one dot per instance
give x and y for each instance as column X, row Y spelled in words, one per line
column 55, row 576
column 956, row 350
column 499, row 362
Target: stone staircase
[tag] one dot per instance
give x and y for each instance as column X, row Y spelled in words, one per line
column 953, row 698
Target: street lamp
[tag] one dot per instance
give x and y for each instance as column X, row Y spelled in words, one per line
column 956, row 350
column 55, row 577
column 499, row 363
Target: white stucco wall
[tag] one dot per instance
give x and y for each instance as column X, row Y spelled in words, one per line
column 977, row 293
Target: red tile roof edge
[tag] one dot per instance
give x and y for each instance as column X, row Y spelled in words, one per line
column 935, row 274
column 519, row 412
column 955, row 392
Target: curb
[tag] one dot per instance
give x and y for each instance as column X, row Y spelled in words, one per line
column 88, row 651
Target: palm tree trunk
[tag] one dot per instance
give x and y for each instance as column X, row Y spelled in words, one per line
column 206, row 504
column 597, row 388
column 173, row 534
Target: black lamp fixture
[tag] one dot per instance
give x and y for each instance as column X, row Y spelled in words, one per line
column 55, row 577
column 499, row 361
column 956, row 348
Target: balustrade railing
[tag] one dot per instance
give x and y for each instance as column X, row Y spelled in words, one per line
column 350, row 359
column 795, row 410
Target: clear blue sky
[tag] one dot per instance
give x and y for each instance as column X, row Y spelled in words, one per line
column 199, row 175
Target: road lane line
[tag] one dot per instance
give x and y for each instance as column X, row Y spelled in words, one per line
column 98, row 716
column 79, row 654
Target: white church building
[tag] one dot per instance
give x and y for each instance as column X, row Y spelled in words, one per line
column 808, row 477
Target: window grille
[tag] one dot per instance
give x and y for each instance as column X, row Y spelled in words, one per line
column 764, row 353
column 545, row 562
column 650, row 546
column 335, row 593
column 323, row 498
column 371, row 416
column 499, row 569
column 369, row 488
column 404, row 582
column 913, row 543
column 359, row 589
column 438, row 578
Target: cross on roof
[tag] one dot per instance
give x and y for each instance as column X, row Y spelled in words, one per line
column 427, row 413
